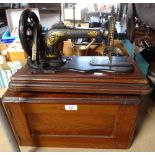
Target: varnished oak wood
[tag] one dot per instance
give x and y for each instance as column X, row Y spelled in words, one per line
column 98, row 123
column 76, row 82
column 107, row 108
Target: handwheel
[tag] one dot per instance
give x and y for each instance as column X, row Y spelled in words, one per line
column 27, row 25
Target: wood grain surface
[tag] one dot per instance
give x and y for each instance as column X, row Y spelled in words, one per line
column 27, row 79
column 100, row 121
column 107, row 108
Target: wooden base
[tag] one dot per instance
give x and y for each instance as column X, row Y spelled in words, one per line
column 100, row 82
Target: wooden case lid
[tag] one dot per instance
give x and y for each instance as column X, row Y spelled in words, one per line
column 68, row 98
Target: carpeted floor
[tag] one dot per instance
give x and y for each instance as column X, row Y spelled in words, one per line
column 143, row 141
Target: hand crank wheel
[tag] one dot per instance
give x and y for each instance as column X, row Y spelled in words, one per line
column 27, row 24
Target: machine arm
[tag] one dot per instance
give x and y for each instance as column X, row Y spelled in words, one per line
column 54, row 37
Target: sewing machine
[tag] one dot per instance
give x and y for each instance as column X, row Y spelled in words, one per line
column 49, row 101
column 44, row 50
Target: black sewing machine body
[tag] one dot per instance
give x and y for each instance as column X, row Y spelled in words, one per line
column 44, row 49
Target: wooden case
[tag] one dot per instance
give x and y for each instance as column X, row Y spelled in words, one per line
column 100, row 121
column 70, row 109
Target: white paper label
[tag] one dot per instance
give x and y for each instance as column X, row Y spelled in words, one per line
column 98, row 73
column 70, row 107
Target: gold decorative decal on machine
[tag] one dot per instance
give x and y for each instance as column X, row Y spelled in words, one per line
column 54, row 37
column 111, row 31
column 92, row 34
column 50, row 55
